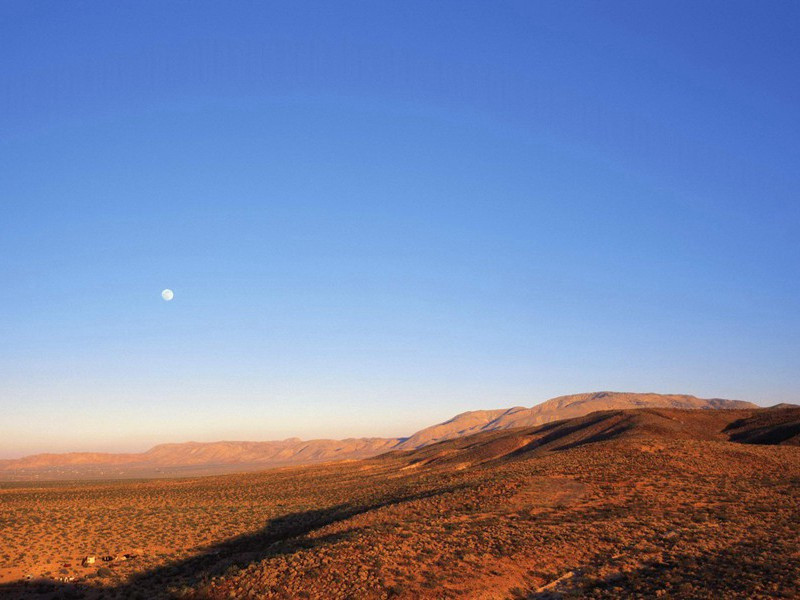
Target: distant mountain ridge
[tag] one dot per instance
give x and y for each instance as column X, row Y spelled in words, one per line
column 555, row 409
column 193, row 458
column 211, row 455
column 646, row 428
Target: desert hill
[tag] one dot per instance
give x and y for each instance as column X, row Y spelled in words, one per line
column 653, row 426
column 195, row 458
column 562, row 407
column 293, row 450
column 622, row 503
column 777, row 425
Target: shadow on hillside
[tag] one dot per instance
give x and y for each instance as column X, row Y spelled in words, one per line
column 283, row 535
column 734, row 572
column 559, row 430
column 775, row 426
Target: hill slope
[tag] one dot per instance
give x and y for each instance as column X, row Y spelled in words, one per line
column 634, row 503
column 647, row 428
column 194, row 458
column 563, row 407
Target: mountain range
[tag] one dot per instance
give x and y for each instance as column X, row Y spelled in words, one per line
column 194, row 458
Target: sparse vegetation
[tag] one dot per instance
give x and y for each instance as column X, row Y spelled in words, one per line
column 637, row 515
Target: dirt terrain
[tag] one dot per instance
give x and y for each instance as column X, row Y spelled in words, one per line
column 649, row 503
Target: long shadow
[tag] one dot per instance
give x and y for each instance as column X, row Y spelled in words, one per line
column 562, row 429
column 771, row 426
column 282, row 535
column 766, row 570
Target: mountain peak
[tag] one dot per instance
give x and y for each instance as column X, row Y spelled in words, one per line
column 556, row 409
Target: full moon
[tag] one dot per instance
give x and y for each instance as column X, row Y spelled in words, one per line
column 167, row 294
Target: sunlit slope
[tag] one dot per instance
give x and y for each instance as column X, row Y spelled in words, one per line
column 194, row 458
column 562, row 407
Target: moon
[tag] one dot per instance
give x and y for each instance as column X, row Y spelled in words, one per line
column 167, row 294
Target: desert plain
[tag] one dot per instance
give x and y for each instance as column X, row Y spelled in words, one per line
column 633, row 503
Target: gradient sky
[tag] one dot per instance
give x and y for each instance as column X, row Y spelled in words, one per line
column 377, row 215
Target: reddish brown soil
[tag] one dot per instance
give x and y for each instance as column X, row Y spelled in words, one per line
column 622, row 504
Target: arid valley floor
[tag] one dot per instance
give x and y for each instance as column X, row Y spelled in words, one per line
column 649, row 503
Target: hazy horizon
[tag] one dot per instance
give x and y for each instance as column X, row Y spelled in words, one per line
column 147, row 440
column 377, row 216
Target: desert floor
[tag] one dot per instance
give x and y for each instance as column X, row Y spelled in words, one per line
column 473, row 518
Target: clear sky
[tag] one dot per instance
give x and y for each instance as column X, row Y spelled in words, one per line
column 376, row 215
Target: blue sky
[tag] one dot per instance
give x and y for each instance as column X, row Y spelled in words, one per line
column 376, row 215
